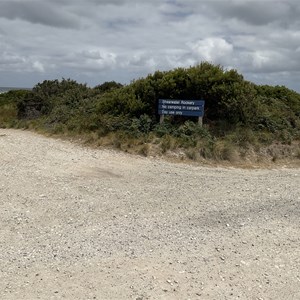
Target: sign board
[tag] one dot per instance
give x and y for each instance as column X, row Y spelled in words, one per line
column 190, row 108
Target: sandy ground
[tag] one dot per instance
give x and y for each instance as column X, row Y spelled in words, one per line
column 79, row 223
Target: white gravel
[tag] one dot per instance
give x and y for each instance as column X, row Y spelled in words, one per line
column 80, row 223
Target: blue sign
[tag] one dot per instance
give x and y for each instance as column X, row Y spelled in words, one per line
column 190, row 108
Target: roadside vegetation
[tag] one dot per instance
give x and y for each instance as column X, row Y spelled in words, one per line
column 241, row 118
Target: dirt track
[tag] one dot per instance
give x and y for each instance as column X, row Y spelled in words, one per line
column 79, row 223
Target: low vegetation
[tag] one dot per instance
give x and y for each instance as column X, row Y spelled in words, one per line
column 240, row 117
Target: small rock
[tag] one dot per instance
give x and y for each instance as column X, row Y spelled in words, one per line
column 169, row 282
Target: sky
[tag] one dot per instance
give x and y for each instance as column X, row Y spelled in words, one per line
column 93, row 41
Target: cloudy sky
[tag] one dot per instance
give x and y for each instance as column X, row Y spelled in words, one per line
column 93, row 41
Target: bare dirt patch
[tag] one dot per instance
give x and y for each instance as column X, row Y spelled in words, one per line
column 79, row 223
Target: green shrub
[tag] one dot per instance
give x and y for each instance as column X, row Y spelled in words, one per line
column 8, row 107
column 242, row 137
column 238, row 114
column 168, row 143
column 192, row 154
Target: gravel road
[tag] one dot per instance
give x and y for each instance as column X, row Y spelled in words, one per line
column 81, row 223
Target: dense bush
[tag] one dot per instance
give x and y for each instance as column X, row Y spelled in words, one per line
column 8, row 107
column 237, row 112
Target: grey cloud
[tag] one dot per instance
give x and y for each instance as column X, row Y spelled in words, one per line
column 37, row 12
column 88, row 60
column 127, row 39
column 9, row 59
column 12, row 61
column 98, row 2
column 255, row 13
column 122, row 23
column 175, row 11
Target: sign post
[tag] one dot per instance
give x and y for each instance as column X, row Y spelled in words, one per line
column 200, row 121
column 161, row 119
column 190, row 108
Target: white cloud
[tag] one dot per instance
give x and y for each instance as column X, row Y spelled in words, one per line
column 38, row 66
column 99, row 59
column 212, row 49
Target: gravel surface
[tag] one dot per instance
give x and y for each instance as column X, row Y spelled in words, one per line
column 80, row 223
